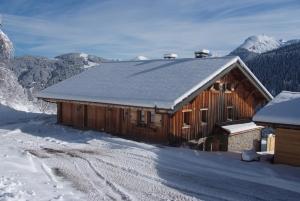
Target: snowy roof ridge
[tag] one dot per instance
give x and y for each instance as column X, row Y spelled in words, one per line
column 162, row 83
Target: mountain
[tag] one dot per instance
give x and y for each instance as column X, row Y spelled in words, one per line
column 35, row 73
column 140, row 58
column 22, row 77
column 276, row 63
column 6, row 47
column 260, row 44
column 11, row 92
column 278, row 69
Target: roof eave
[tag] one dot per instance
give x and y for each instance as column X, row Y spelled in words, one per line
column 277, row 125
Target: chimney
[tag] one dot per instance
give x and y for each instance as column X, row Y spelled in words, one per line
column 170, row 56
column 202, row 53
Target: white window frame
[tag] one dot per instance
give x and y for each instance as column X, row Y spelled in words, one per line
column 183, row 113
column 229, row 107
column 201, row 110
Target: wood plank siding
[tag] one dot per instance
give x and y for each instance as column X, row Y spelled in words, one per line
column 118, row 121
column 213, row 106
column 243, row 101
column 287, row 146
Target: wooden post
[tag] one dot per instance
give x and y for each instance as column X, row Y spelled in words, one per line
column 59, row 112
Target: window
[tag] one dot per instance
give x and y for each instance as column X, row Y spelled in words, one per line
column 228, row 87
column 204, row 115
column 151, row 117
column 216, row 86
column 123, row 114
column 141, row 117
column 229, row 113
column 187, row 118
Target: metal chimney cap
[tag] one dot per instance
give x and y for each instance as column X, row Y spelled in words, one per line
column 202, row 53
column 205, row 51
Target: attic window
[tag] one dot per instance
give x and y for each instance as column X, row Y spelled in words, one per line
column 228, row 87
column 186, row 118
column 216, row 86
column 204, row 115
column 229, row 113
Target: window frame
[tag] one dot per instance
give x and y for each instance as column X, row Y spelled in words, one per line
column 227, row 113
column 140, row 114
column 201, row 111
column 184, row 112
column 152, row 117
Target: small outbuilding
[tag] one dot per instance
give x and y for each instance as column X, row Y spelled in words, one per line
column 283, row 114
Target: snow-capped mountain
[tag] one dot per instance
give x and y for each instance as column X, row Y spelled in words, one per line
column 275, row 62
column 260, row 44
column 6, row 47
column 36, row 73
column 26, row 75
column 12, row 93
column 140, row 58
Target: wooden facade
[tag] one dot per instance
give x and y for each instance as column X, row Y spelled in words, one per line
column 287, row 146
column 237, row 96
column 232, row 97
column 120, row 121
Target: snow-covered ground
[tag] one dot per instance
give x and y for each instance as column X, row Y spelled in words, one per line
column 41, row 160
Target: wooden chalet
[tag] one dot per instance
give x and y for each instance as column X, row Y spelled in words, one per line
column 162, row 101
column 283, row 114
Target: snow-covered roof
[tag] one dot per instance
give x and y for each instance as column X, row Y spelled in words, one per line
column 236, row 128
column 152, row 83
column 283, row 109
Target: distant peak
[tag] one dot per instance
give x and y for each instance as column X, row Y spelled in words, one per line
column 6, row 46
column 140, row 58
column 261, row 43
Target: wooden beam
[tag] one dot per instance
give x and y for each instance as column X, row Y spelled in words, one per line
column 155, row 109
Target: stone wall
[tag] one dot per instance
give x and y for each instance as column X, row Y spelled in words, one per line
column 237, row 142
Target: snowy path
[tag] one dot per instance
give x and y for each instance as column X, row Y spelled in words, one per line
column 45, row 161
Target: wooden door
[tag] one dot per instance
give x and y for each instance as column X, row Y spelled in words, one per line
column 91, row 117
column 100, row 118
column 112, row 119
column 78, row 115
column 66, row 116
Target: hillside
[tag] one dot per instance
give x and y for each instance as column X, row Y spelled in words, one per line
column 36, row 73
column 275, row 62
column 22, row 77
column 278, row 69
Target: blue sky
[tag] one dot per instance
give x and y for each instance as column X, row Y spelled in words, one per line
column 126, row 28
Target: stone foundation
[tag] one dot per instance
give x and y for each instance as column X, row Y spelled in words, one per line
column 237, row 142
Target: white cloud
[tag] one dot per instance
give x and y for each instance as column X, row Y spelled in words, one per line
column 124, row 29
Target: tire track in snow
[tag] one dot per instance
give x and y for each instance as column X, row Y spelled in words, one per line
column 115, row 189
column 77, row 154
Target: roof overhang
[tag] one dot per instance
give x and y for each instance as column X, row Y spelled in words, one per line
column 278, row 125
column 157, row 110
